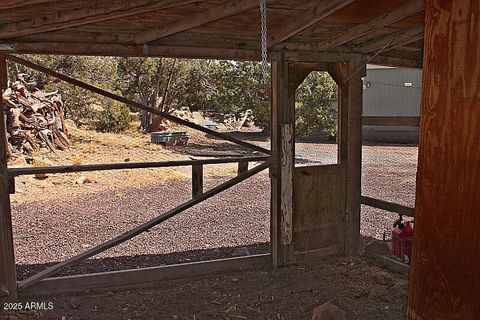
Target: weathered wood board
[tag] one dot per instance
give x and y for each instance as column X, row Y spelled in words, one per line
column 444, row 276
column 317, row 204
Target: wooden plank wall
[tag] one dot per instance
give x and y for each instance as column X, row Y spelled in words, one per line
column 445, row 271
column 317, row 203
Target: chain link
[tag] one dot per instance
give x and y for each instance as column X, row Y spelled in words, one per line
column 263, row 39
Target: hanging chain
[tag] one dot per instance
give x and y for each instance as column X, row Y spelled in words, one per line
column 263, row 39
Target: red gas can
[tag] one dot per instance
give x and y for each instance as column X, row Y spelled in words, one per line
column 402, row 238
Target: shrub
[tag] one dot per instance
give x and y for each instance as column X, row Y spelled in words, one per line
column 115, row 117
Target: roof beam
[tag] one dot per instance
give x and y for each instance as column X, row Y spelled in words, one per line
column 227, row 9
column 93, row 13
column 9, row 4
column 319, row 10
column 392, row 41
column 408, row 9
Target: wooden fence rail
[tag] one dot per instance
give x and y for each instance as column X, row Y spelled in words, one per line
column 141, row 228
column 388, row 206
column 14, row 172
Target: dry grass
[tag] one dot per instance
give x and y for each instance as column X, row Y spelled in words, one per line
column 90, row 147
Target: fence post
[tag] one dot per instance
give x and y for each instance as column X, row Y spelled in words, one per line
column 242, row 167
column 197, row 180
column 8, row 278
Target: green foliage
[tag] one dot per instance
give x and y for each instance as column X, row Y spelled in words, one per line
column 115, row 117
column 224, row 87
column 315, row 105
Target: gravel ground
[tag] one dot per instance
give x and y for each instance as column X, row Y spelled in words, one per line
column 53, row 231
column 49, row 231
column 230, row 224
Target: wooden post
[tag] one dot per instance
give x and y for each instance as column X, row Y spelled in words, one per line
column 242, row 167
column 286, row 77
column 197, row 180
column 350, row 151
column 283, row 116
column 444, row 276
column 8, row 279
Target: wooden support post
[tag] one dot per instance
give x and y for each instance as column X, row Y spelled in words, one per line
column 8, row 279
column 242, row 167
column 444, row 276
column 197, row 180
column 350, row 151
column 286, row 77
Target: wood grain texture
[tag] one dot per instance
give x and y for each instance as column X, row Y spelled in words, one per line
column 318, row 11
column 8, row 284
column 445, row 271
column 95, row 12
column 350, row 151
column 286, row 77
column 146, row 277
column 286, row 206
column 317, row 204
column 410, row 8
column 91, row 27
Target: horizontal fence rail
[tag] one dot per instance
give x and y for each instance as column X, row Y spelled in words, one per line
column 15, row 172
column 387, row 206
column 141, row 228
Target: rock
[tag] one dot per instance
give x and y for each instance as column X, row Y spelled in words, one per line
column 126, row 160
column 328, row 311
column 83, row 180
column 41, row 176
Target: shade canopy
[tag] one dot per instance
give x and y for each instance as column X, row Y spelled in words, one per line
column 389, row 31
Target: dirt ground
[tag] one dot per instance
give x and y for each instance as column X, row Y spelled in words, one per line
column 55, row 218
column 363, row 290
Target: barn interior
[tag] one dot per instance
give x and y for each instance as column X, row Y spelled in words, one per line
column 315, row 210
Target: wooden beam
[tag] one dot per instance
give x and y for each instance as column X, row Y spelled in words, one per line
column 286, row 77
column 391, row 121
column 228, row 9
column 408, row 9
column 350, row 151
column 10, row 4
column 15, row 172
column 319, row 10
column 444, row 275
column 281, row 113
column 392, row 41
column 8, row 288
column 388, row 206
column 396, row 62
column 140, row 229
column 140, row 106
column 88, row 14
column 146, row 277
column 125, row 50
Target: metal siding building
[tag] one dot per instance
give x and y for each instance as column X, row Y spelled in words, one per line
column 391, row 92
